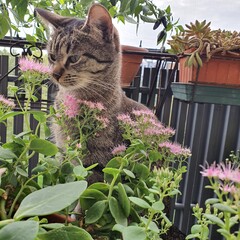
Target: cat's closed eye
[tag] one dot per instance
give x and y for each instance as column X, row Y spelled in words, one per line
column 74, row 58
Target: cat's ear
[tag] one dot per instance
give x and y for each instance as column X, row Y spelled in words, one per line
column 100, row 17
column 51, row 20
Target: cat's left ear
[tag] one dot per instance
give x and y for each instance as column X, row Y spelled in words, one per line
column 100, row 17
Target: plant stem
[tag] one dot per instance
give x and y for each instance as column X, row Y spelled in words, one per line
column 5, row 222
column 3, row 210
column 20, row 192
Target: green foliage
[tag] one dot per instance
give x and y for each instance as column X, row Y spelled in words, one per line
column 128, row 204
column 132, row 11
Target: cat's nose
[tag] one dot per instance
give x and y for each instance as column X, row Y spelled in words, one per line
column 58, row 73
column 56, row 76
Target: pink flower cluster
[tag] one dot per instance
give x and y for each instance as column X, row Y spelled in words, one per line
column 175, row 148
column 72, row 105
column 119, row 149
column 126, row 119
column 31, row 65
column 224, row 172
column 6, row 102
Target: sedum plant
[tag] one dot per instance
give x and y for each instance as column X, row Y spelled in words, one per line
column 138, row 180
column 198, row 40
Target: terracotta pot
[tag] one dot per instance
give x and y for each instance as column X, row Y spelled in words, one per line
column 219, row 70
column 59, row 218
column 130, row 63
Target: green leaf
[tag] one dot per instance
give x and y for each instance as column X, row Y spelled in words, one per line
column 129, row 173
column 117, row 212
column 9, row 114
column 43, row 146
column 89, row 197
column 26, row 230
column 134, row 232
column 50, row 199
column 152, row 226
column 52, row 225
column 103, row 187
column 224, row 233
column 214, row 219
column 39, row 116
column 112, row 171
column 22, row 9
column 21, row 172
column 123, row 199
column 141, row 171
column 140, row 202
column 6, row 154
column 211, row 201
column 5, row 25
column 147, row 19
column 158, row 206
column 133, row 5
column 66, row 233
column 224, row 208
column 95, row 212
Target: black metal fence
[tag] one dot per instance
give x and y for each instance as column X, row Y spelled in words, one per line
column 211, row 130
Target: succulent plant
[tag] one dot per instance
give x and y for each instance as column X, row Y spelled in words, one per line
column 199, row 40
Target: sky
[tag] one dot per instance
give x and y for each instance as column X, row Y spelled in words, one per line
column 224, row 14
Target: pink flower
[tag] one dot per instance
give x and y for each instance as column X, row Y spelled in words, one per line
column 175, row 148
column 71, row 106
column 78, row 145
column 30, row 65
column 6, row 102
column 119, row 149
column 143, row 112
column 211, row 171
column 103, row 120
column 126, row 119
column 228, row 188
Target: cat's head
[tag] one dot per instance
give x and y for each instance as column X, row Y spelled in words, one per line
column 82, row 53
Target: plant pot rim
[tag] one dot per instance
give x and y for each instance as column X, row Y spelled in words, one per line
column 129, row 48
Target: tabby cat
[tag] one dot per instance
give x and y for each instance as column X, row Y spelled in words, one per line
column 86, row 62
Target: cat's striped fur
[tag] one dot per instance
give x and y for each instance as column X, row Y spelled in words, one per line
column 86, row 61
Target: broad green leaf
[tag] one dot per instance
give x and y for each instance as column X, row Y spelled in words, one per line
column 224, row 233
column 25, row 230
column 117, row 212
column 140, row 202
column 39, row 116
column 50, row 199
column 52, row 225
column 9, row 114
column 224, row 208
column 214, row 219
column 134, row 232
column 103, row 187
column 141, row 171
column 66, row 233
column 4, row 26
column 193, row 235
column 111, row 171
column 123, row 199
column 95, row 212
column 43, row 146
column 158, row 206
column 89, row 197
column 147, row 19
column 129, row 173
column 21, row 172
column 133, row 5
column 197, row 228
column 212, row 201
column 6, row 154
column 22, row 9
